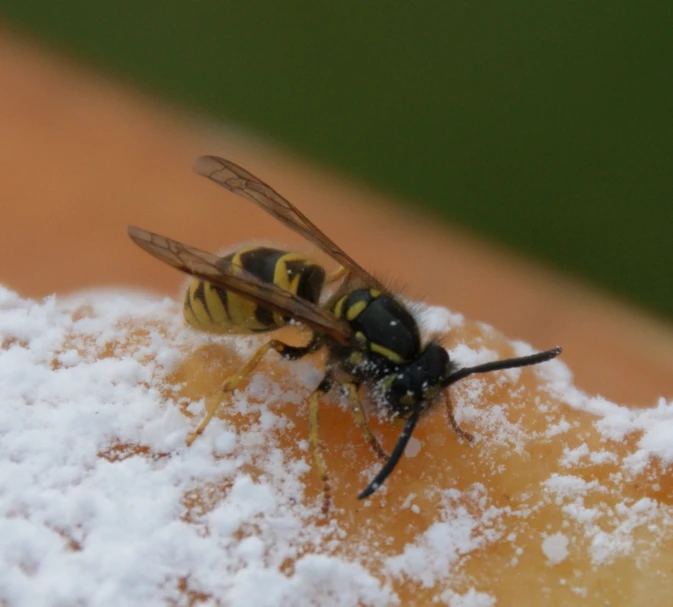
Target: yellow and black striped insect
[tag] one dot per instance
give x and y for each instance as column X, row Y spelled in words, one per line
column 371, row 337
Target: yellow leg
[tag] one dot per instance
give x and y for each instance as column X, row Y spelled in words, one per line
column 336, row 275
column 454, row 424
column 232, row 382
column 314, row 442
column 361, row 420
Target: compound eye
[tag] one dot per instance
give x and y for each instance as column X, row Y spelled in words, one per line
column 431, row 392
column 400, row 396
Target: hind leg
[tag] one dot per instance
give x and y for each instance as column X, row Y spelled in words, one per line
column 231, row 383
column 464, row 434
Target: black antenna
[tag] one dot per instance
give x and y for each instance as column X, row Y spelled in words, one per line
column 389, row 466
column 496, row 365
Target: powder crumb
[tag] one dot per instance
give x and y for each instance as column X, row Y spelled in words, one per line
column 572, row 457
column 413, row 447
column 224, row 443
column 408, row 503
column 566, row 485
column 472, row 598
column 435, row 319
column 602, row 457
column 555, row 429
column 555, row 548
column 465, row 356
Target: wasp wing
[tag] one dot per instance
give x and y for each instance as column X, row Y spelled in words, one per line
column 241, row 182
column 222, row 273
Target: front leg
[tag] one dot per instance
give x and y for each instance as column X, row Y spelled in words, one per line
column 314, row 441
column 361, row 420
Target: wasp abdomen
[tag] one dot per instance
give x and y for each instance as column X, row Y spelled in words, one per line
column 210, row 308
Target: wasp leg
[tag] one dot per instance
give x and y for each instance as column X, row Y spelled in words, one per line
column 361, row 420
column 323, row 388
column 464, row 434
column 285, row 350
column 336, row 275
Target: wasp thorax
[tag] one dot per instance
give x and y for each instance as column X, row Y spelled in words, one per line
column 417, row 381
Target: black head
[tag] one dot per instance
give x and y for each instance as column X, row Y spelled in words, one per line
column 417, row 382
column 409, row 391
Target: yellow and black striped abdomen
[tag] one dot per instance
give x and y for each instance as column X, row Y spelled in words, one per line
column 209, row 308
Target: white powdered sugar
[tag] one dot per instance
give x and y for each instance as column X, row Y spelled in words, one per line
column 85, row 520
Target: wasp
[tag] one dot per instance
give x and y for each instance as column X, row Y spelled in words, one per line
column 371, row 337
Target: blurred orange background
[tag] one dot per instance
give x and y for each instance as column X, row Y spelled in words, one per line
column 81, row 157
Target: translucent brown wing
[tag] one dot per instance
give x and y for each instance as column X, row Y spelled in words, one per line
column 225, row 275
column 239, row 181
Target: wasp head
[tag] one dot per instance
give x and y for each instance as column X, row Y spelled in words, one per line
column 418, row 381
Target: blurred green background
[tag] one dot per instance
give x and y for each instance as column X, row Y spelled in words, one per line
column 547, row 126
